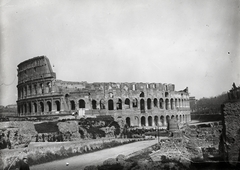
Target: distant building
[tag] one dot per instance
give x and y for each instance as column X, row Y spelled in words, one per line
column 135, row 104
column 11, row 106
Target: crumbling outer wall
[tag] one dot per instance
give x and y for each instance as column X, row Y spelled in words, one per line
column 231, row 130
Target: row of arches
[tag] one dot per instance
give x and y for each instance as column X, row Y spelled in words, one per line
column 156, row 120
column 34, row 89
column 142, row 104
column 39, row 107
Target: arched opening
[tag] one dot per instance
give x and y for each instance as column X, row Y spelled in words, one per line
column 41, row 106
column 162, row 120
column 167, row 120
column 171, row 103
column 135, row 103
column 155, row 102
column 94, row 104
column 166, row 104
column 119, row 104
column 143, row 121
column 180, row 117
column 35, row 107
column 156, row 120
column 182, row 103
column 142, row 105
column 102, row 105
column 149, row 120
column 161, row 103
column 128, row 121
column 81, row 103
column 110, row 104
column 49, row 104
column 177, row 117
column 25, row 108
column 149, row 104
column 58, row 105
column 137, row 120
column 127, row 103
column 183, row 119
column 142, row 94
column 176, row 105
column 29, row 107
column 72, row 105
column 30, row 90
column 172, row 116
column 179, row 103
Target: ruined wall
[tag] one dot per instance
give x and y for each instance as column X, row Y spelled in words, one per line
column 231, row 131
column 137, row 104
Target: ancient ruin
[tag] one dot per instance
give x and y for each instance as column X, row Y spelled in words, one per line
column 134, row 104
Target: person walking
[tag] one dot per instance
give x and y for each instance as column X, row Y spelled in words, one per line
column 24, row 164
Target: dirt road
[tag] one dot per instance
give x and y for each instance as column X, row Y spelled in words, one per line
column 95, row 158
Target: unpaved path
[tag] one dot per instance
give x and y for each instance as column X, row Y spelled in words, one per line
column 94, row 158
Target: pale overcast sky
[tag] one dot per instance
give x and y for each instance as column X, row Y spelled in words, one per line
column 190, row 43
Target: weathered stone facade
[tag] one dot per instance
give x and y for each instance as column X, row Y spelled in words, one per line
column 231, row 132
column 137, row 104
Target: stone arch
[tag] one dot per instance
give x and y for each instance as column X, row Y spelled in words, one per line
column 81, row 103
column 149, row 120
column 162, row 120
column 135, row 103
column 166, row 104
column 141, row 94
column 137, row 120
column 128, row 121
column 149, row 104
column 102, row 105
column 25, row 108
column 156, row 120
column 58, row 105
column 94, row 104
column 167, row 119
column 161, row 103
column 155, row 102
column 127, row 103
column 29, row 107
column 110, row 105
column 176, row 103
column 49, row 106
column 142, row 105
column 35, row 107
column 143, row 121
column 119, row 104
column 72, row 105
column 41, row 106
column 171, row 104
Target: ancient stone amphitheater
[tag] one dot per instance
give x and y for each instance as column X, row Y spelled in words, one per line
column 135, row 104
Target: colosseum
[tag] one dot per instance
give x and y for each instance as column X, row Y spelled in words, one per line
column 135, row 104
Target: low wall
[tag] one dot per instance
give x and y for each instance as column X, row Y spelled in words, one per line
column 41, row 152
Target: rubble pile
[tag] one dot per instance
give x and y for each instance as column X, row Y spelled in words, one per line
column 179, row 149
column 17, row 133
column 205, row 136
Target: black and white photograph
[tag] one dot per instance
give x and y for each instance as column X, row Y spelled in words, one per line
column 119, row 84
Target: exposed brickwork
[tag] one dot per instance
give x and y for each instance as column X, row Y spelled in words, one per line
column 135, row 104
column 231, row 131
